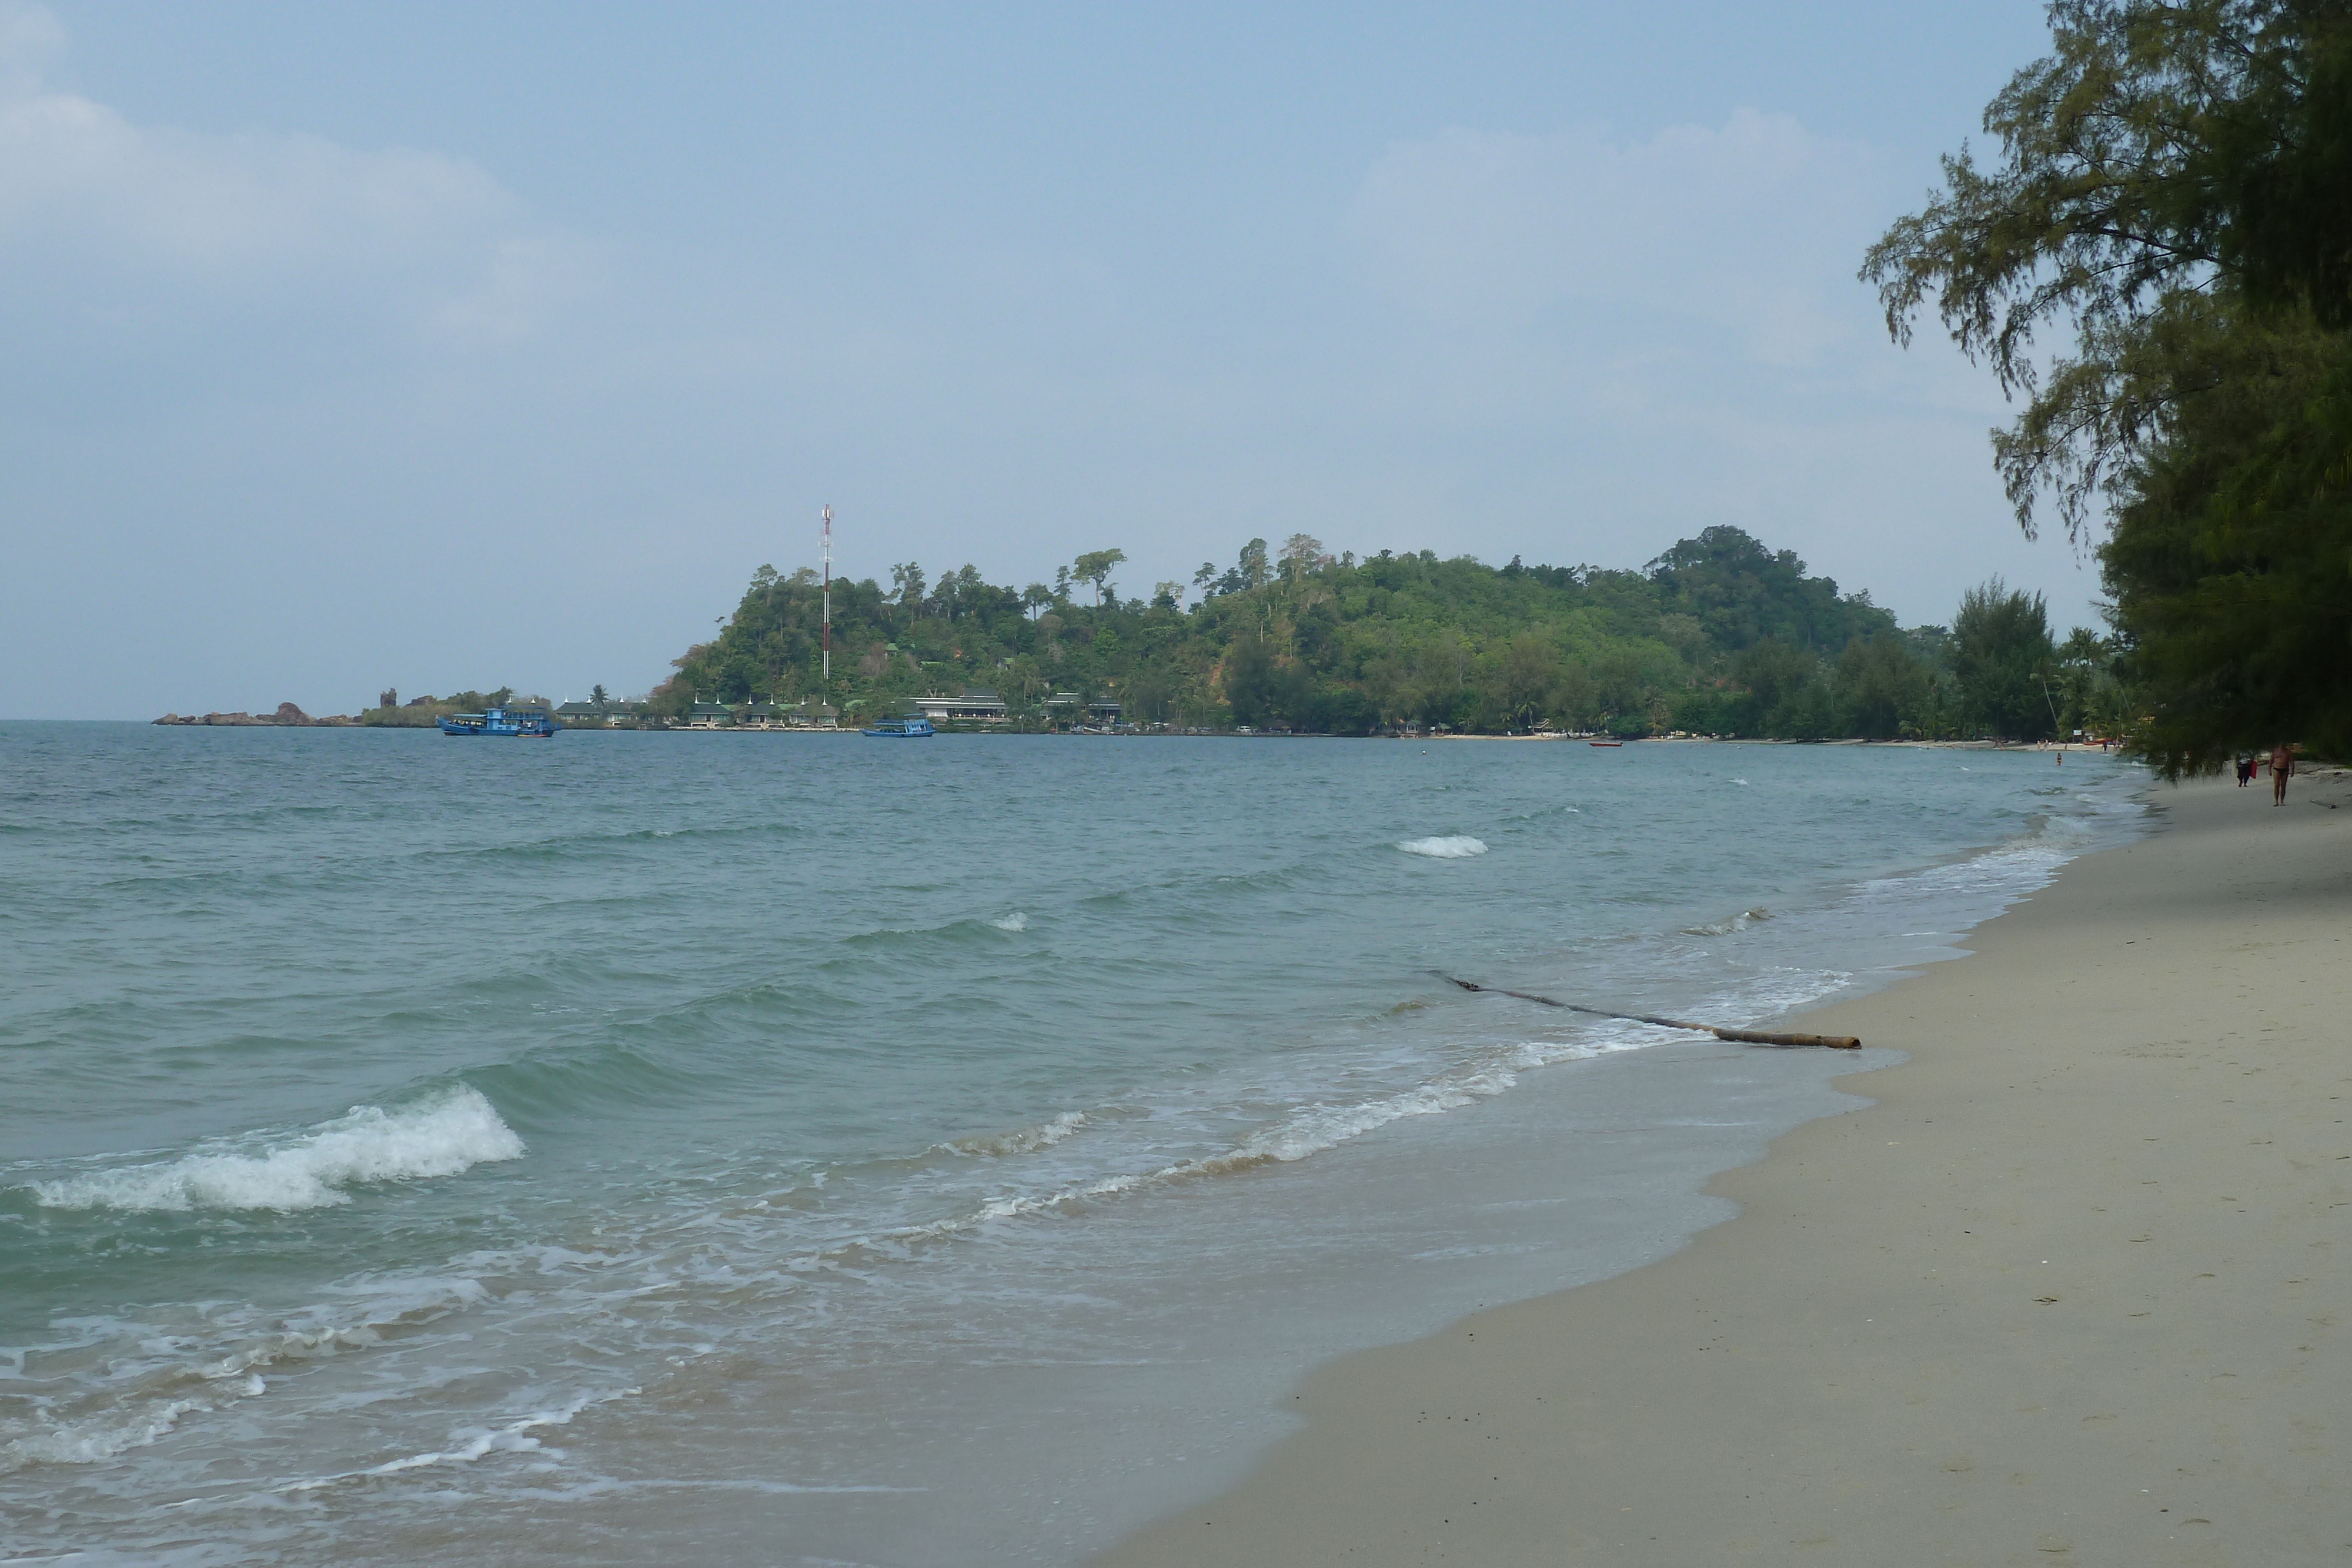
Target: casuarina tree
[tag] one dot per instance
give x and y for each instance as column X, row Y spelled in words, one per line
column 2003, row 659
column 2172, row 188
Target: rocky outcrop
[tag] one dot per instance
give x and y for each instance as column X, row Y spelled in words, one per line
column 287, row 715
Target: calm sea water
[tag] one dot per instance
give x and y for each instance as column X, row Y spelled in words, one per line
column 812, row 1149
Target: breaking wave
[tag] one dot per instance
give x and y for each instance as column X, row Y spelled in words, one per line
column 1028, row 1140
column 1016, row 921
column 1460, row 847
column 442, row 1136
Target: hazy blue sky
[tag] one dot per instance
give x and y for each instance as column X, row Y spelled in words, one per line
column 440, row 345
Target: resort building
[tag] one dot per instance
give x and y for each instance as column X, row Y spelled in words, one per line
column 975, row 704
column 709, row 715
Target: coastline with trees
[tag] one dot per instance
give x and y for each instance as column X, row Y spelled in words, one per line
column 1718, row 636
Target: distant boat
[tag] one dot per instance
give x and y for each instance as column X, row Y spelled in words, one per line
column 914, row 726
column 532, row 721
column 1604, row 743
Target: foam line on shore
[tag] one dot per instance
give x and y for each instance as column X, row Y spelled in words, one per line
column 2063, row 1290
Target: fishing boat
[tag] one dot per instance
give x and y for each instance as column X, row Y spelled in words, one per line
column 914, row 726
column 1604, row 743
column 525, row 721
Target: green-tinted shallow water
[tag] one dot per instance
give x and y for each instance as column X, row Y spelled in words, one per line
column 550, row 1131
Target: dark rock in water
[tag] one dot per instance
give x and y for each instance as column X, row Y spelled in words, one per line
column 287, row 716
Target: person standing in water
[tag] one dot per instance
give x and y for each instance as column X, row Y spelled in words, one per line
column 2282, row 767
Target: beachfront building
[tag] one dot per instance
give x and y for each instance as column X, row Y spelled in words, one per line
column 757, row 715
column 985, row 706
column 584, row 715
column 806, row 714
column 709, row 715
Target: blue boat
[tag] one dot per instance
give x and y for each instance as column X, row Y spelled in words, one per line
column 534, row 721
column 914, row 726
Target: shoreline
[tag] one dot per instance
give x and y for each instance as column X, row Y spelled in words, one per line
column 2062, row 1292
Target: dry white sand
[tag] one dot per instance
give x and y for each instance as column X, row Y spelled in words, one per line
column 2078, row 1289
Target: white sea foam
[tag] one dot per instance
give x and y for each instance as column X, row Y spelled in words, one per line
column 470, row 1443
column 1739, row 781
column 1460, row 847
column 436, row 1137
column 1016, row 921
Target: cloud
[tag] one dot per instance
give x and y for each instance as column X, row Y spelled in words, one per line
column 125, row 228
column 1750, row 227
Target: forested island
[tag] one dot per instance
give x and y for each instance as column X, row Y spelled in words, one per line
column 1720, row 635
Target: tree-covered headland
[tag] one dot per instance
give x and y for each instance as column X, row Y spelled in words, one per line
column 1720, row 635
column 2174, row 193
column 422, row 713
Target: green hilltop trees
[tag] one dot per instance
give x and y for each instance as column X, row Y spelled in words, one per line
column 2174, row 186
column 1719, row 636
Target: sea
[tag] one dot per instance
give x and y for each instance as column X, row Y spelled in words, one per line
column 807, row 1149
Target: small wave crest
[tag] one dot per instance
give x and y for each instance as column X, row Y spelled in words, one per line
column 1016, row 921
column 468, row 1444
column 1740, row 922
column 88, row 1443
column 1028, row 1140
column 1459, row 847
column 442, row 1136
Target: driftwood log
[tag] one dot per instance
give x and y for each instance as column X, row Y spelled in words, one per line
column 1742, row 1035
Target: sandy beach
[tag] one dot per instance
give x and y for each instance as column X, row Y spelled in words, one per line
column 2071, row 1290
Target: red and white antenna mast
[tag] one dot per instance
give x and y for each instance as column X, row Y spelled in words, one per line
column 828, row 603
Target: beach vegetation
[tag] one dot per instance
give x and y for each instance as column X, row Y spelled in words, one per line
column 2004, row 661
column 2170, row 191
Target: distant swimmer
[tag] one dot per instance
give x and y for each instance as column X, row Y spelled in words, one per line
column 2282, row 767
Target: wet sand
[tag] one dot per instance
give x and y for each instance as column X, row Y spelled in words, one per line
column 2076, row 1288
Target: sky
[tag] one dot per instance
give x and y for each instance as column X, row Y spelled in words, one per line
column 460, row 345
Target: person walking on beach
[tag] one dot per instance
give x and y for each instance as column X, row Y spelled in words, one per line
column 2282, row 767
